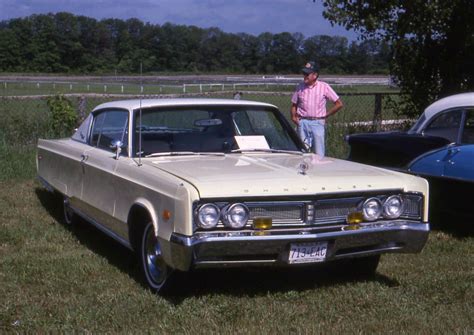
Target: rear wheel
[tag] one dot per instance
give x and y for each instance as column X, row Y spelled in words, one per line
column 152, row 264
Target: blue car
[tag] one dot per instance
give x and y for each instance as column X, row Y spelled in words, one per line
column 450, row 172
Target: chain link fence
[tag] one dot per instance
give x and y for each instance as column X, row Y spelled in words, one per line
column 25, row 118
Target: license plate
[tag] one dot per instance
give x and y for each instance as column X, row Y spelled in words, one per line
column 307, row 252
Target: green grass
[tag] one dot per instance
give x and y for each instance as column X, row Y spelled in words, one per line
column 59, row 279
column 17, row 162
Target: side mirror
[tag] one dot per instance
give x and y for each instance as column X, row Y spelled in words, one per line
column 116, row 146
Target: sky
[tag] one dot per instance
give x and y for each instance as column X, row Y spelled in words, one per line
column 232, row 16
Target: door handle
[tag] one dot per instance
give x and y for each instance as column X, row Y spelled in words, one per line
column 453, row 151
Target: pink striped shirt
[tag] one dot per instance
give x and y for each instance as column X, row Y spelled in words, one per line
column 311, row 100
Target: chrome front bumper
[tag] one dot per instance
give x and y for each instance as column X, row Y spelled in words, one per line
column 218, row 249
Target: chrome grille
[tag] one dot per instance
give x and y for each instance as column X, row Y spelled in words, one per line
column 413, row 206
column 335, row 210
column 291, row 213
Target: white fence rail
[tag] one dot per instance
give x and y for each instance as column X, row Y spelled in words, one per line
column 230, row 84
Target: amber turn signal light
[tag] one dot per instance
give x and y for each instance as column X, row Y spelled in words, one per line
column 355, row 218
column 262, row 222
column 166, row 215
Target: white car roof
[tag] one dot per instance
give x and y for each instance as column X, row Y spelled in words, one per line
column 453, row 101
column 147, row 103
column 457, row 100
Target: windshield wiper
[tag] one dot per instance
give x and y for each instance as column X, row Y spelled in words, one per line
column 270, row 151
column 185, row 153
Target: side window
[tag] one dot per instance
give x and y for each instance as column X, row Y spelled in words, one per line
column 110, row 126
column 83, row 130
column 445, row 125
column 97, row 129
column 468, row 132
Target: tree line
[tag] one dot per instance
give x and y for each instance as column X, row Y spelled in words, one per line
column 66, row 43
column 432, row 43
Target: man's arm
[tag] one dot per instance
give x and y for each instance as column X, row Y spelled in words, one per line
column 294, row 115
column 334, row 109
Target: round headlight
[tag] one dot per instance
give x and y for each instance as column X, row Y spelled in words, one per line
column 208, row 216
column 236, row 216
column 372, row 209
column 393, row 207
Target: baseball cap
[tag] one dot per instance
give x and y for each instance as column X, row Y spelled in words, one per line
column 310, row 67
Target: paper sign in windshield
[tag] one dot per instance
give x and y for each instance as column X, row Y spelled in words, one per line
column 252, row 142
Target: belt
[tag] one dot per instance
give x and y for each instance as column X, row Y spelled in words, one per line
column 312, row 118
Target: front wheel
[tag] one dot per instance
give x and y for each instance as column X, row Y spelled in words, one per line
column 365, row 266
column 152, row 264
column 357, row 267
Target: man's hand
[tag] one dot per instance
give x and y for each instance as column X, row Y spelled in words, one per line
column 337, row 106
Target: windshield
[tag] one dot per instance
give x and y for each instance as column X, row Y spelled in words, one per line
column 212, row 129
column 416, row 127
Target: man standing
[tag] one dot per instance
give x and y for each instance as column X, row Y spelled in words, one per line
column 308, row 108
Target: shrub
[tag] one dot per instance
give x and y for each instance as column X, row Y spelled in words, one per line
column 63, row 116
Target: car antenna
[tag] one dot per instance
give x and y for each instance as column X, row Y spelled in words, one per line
column 140, row 114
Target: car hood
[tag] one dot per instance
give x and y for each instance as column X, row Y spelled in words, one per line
column 237, row 175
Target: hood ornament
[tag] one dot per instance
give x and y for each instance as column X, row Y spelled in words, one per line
column 303, row 167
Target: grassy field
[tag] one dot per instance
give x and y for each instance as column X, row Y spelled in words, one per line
column 59, row 279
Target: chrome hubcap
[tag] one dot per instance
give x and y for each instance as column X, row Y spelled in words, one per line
column 155, row 265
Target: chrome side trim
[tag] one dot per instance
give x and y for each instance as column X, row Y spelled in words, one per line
column 102, row 228
column 87, row 218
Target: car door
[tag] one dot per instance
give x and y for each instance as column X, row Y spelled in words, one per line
column 100, row 163
column 68, row 166
column 460, row 159
column 459, row 162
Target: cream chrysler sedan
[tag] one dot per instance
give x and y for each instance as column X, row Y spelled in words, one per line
column 193, row 183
